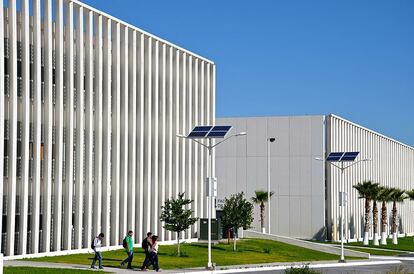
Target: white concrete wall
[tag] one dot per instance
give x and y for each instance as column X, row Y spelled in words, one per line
column 298, row 207
column 96, row 147
column 392, row 165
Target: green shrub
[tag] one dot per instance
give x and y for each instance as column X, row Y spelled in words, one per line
column 267, row 250
column 301, row 270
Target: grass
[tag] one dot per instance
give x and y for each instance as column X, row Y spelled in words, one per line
column 41, row 270
column 404, row 244
column 249, row 251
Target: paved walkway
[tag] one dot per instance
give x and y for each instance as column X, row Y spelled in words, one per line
column 224, row 269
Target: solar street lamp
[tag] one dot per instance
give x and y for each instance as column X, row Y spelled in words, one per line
column 342, row 158
column 210, row 132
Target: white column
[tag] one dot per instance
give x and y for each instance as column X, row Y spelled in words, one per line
column 12, row 144
column 69, row 126
column 80, row 64
column 59, row 129
column 1, row 111
column 106, row 127
column 97, row 87
column 155, row 123
column 140, row 129
column 132, row 151
column 163, row 144
column 89, row 128
column 37, row 126
column 171, row 135
column 24, row 190
column 183, row 126
column 197, row 147
column 202, row 121
column 48, row 128
column 123, row 202
column 116, row 119
column 177, row 128
column 148, row 135
column 190, row 164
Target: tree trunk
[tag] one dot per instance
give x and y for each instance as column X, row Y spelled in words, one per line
column 234, row 240
column 375, row 222
column 366, row 227
column 262, row 212
column 384, row 223
column 394, row 223
column 178, row 244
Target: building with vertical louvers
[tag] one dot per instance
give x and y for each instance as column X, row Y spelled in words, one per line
column 305, row 203
column 89, row 111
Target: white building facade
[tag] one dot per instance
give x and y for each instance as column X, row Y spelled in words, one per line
column 305, row 203
column 89, row 111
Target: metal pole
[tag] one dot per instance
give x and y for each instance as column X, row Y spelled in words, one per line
column 209, row 204
column 342, row 260
column 268, row 186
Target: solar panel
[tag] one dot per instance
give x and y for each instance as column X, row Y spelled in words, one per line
column 218, row 132
column 209, row 132
column 349, row 156
column 334, row 156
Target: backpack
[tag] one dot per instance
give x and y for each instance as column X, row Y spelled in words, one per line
column 124, row 243
column 144, row 244
column 93, row 244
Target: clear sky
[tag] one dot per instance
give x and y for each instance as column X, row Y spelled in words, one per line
column 351, row 58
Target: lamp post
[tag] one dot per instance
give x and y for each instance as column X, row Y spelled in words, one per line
column 210, row 179
column 343, row 200
column 269, row 140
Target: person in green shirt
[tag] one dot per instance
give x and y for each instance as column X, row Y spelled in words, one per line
column 128, row 244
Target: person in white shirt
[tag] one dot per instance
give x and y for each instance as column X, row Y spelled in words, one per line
column 153, row 250
column 96, row 246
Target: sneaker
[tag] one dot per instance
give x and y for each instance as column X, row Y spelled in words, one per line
column 94, row 267
column 158, row 270
column 101, row 267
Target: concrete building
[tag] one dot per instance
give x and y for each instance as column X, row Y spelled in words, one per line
column 305, row 202
column 89, row 111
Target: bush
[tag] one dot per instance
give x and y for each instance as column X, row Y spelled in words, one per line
column 301, row 270
column 267, row 250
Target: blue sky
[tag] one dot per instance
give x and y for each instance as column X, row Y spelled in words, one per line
column 351, row 58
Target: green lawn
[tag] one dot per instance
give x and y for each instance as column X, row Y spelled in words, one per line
column 376, row 252
column 250, row 251
column 404, row 244
column 39, row 270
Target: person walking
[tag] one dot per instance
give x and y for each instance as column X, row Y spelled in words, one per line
column 146, row 244
column 128, row 244
column 96, row 246
column 154, row 253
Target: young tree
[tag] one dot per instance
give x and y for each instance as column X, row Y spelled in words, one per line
column 384, row 197
column 260, row 199
column 365, row 191
column 176, row 217
column 397, row 196
column 237, row 212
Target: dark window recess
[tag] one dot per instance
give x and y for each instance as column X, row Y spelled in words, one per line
column 6, row 129
column 54, row 76
column 6, row 65
column 19, row 50
column 31, row 71
column 31, row 130
column 6, row 148
column 19, row 168
column 19, row 87
column 6, row 85
column 4, row 226
column 19, row 68
column 31, row 86
column 6, row 167
column 19, row 148
column 31, row 163
column 42, row 73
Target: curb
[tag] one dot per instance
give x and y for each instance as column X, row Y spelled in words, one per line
column 284, row 267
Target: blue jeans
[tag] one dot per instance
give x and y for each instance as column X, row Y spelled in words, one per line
column 129, row 258
column 98, row 257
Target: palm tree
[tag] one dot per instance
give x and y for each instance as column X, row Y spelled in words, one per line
column 260, row 198
column 397, row 196
column 384, row 196
column 366, row 190
column 376, row 191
